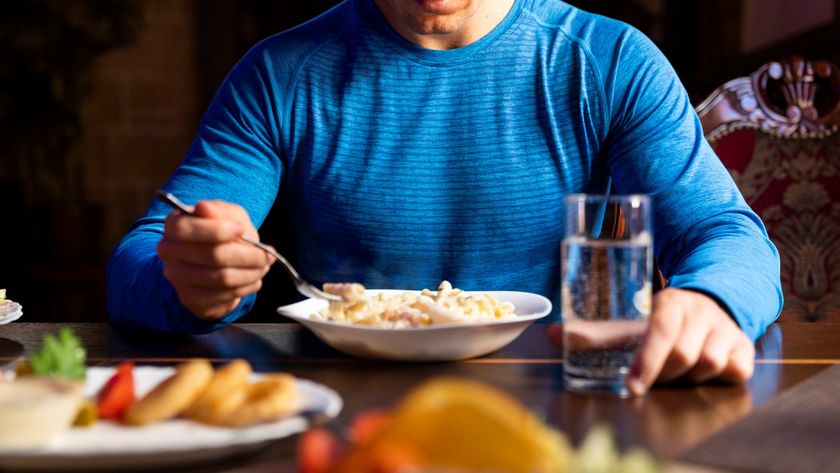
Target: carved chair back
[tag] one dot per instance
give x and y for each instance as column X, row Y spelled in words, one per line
column 778, row 133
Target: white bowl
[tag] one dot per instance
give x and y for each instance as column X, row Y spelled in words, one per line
column 433, row 343
column 10, row 311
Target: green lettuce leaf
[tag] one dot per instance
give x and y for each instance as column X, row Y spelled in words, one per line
column 62, row 356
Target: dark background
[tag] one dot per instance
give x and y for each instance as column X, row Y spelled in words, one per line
column 99, row 99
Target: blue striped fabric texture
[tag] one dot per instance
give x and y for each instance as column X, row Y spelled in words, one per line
column 404, row 166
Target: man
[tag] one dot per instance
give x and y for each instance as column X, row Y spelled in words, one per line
column 417, row 140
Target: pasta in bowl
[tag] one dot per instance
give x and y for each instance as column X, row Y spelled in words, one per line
column 444, row 325
column 447, row 305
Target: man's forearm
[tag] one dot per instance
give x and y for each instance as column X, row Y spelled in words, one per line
column 139, row 295
column 731, row 260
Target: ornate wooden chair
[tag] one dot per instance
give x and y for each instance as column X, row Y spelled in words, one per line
column 778, row 133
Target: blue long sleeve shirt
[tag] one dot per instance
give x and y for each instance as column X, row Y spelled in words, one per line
column 402, row 166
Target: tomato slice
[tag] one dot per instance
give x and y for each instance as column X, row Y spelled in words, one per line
column 318, row 451
column 117, row 394
column 367, row 424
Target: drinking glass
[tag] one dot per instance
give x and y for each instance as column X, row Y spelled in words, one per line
column 607, row 268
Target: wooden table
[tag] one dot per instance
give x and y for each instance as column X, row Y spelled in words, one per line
column 668, row 421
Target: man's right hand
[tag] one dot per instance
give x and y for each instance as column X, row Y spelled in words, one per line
column 204, row 259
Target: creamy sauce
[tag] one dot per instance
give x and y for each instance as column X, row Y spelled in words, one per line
column 35, row 411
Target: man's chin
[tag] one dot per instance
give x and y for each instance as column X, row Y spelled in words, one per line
column 435, row 25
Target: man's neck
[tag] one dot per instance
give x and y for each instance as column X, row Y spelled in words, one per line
column 449, row 32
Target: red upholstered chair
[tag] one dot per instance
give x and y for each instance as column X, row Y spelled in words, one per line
column 777, row 133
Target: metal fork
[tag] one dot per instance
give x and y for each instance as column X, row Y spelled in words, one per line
column 302, row 286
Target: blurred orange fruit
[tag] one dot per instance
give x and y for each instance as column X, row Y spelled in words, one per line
column 460, row 424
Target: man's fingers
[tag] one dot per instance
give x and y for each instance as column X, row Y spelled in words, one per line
column 213, row 304
column 186, row 228
column 714, row 356
column 201, row 297
column 210, row 269
column 687, row 349
column 212, row 313
column 269, row 259
column 234, row 254
column 690, row 335
column 186, row 274
column 741, row 362
column 665, row 327
column 221, row 210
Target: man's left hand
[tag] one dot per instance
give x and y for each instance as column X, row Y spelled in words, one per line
column 690, row 336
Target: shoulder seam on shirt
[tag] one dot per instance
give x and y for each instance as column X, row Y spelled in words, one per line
column 293, row 83
column 592, row 62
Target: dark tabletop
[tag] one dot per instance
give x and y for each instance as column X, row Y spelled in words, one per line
column 668, row 421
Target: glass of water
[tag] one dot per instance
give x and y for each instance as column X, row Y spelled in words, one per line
column 607, row 283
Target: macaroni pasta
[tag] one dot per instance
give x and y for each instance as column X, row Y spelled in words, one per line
column 411, row 309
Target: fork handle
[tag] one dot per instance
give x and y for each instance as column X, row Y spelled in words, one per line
column 283, row 261
column 301, row 284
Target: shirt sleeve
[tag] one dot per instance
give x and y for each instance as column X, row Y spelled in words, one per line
column 706, row 237
column 236, row 156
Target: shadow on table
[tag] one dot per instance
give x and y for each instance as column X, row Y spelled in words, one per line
column 259, row 344
column 10, row 351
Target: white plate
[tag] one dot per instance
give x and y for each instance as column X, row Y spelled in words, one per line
column 109, row 445
column 10, row 311
column 433, row 343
